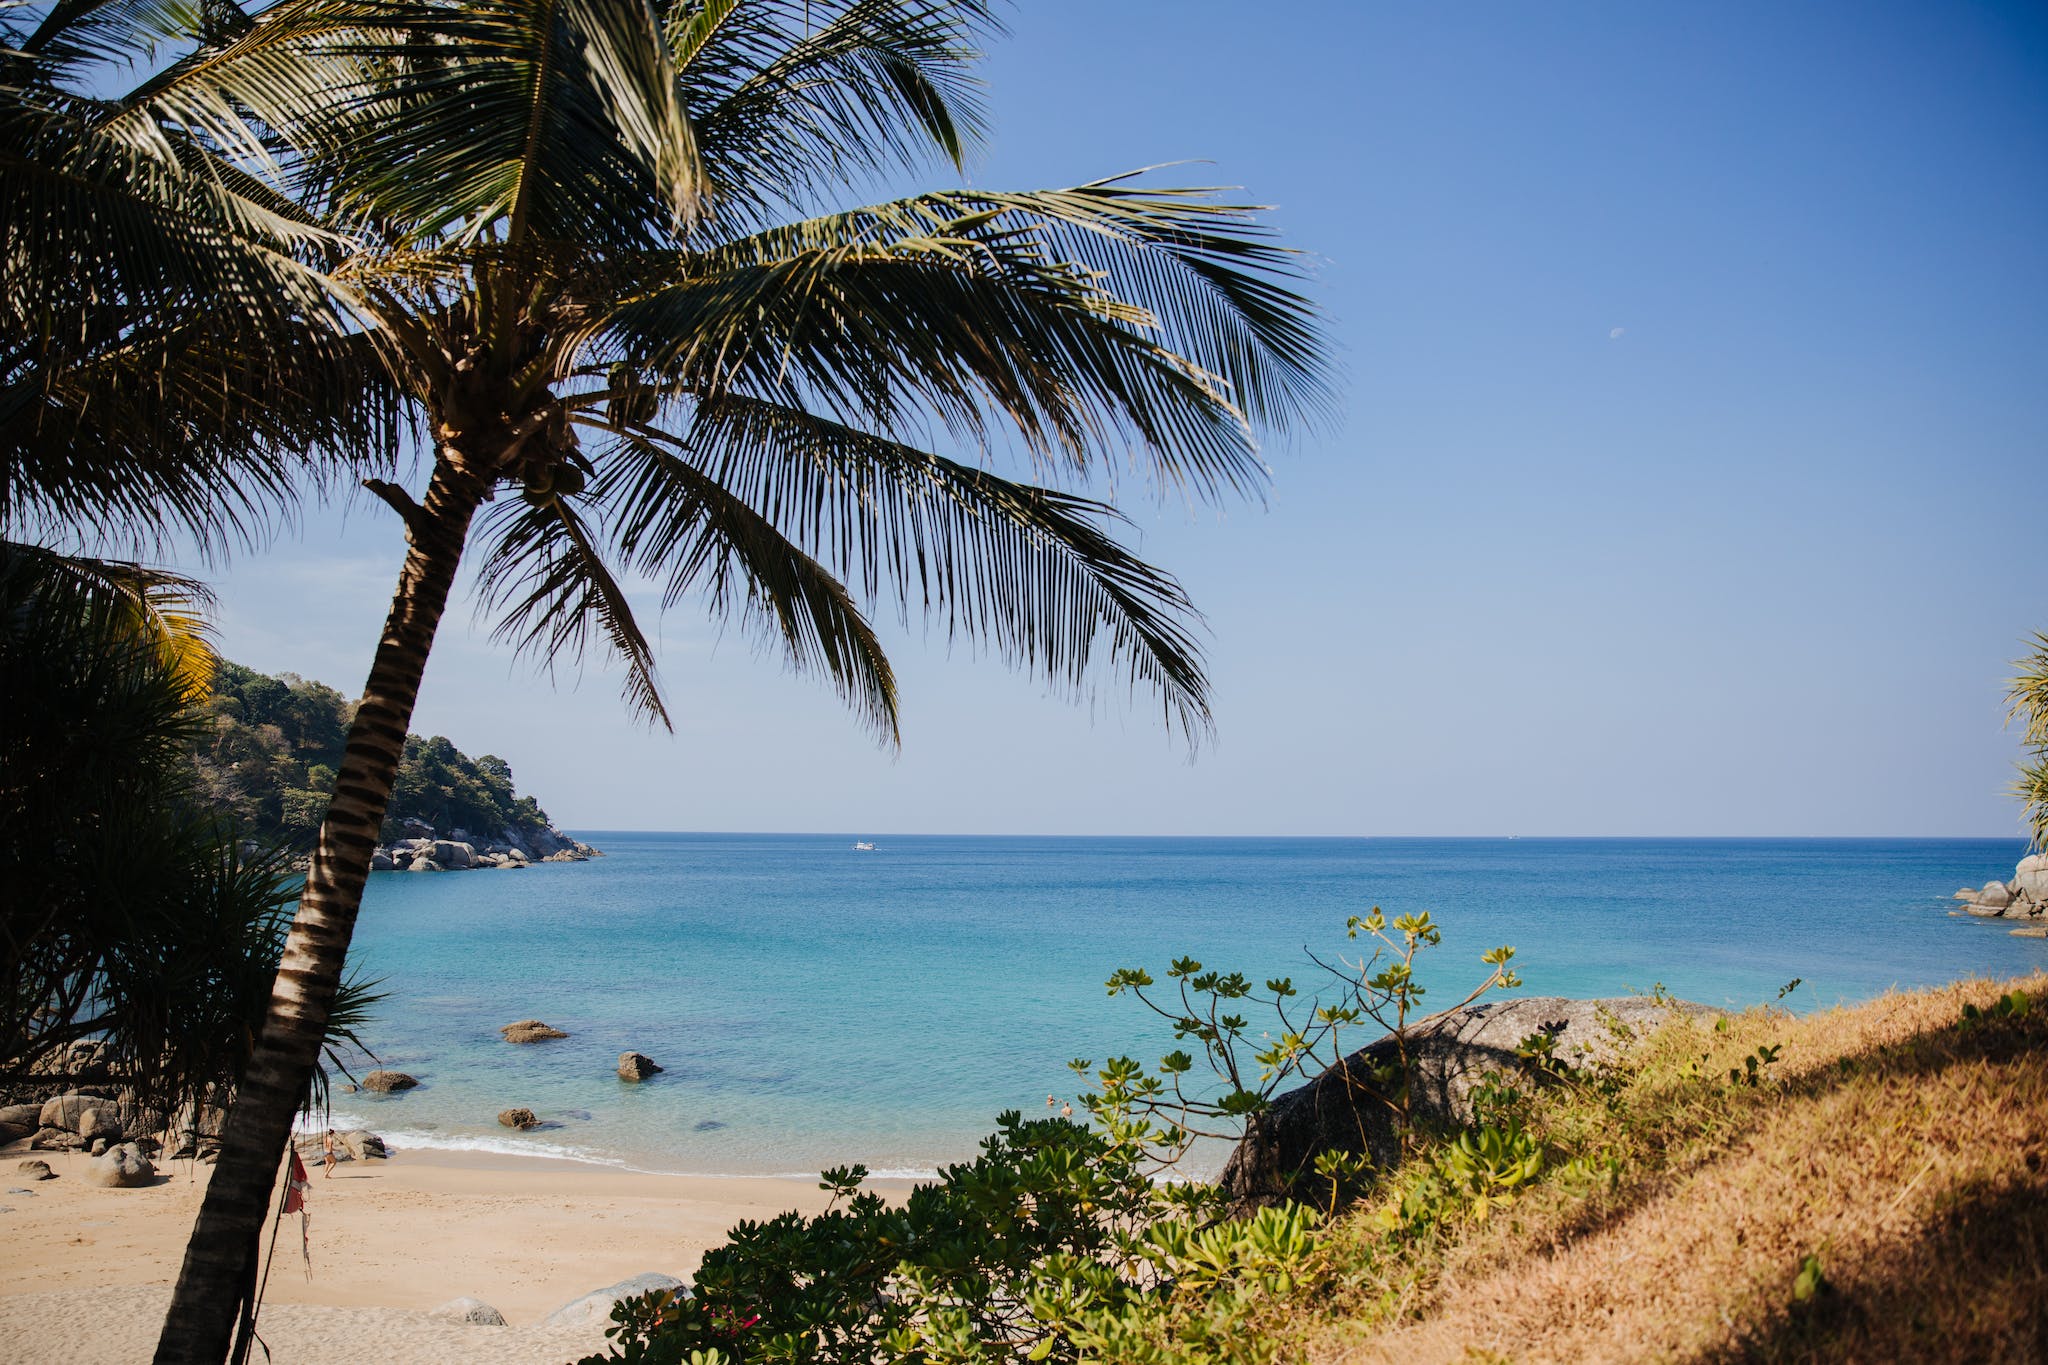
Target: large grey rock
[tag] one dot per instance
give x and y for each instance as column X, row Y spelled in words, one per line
column 595, row 1309
column 423, row 865
column 313, row 1147
column 473, row 1311
column 450, row 854
column 2031, row 878
column 384, row 1082
column 381, row 861
column 101, row 1122
column 636, row 1066
column 364, row 1145
column 122, row 1167
column 530, row 1031
column 1995, row 895
column 18, row 1121
column 64, row 1111
column 1343, row 1109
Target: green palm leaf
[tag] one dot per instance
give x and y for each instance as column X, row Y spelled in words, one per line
column 703, row 540
column 1034, row 571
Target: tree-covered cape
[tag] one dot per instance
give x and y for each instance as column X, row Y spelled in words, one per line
column 268, row 747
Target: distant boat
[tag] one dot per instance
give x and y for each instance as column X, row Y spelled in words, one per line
column 860, row 846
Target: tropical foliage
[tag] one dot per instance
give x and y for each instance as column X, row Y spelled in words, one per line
column 2029, row 700
column 173, row 360
column 136, row 916
column 600, row 257
column 268, row 748
column 1062, row 1241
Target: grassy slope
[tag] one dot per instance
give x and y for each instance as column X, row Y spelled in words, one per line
column 1908, row 1154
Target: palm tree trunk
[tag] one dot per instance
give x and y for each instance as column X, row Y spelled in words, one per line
column 217, row 1281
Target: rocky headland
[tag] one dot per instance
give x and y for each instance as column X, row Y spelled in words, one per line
column 2023, row 899
column 424, row 849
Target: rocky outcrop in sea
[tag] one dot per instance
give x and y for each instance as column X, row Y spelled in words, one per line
column 2023, row 899
column 423, row 849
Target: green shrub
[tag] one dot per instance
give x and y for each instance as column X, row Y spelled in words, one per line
column 1061, row 1242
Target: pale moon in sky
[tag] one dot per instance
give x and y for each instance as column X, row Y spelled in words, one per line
column 1614, row 334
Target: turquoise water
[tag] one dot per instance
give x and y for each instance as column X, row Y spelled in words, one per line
column 816, row 1005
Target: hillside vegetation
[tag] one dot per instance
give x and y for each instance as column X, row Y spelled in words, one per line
column 1874, row 1189
column 269, row 747
column 1863, row 1184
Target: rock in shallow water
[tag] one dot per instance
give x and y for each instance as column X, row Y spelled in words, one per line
column 521, row 1119
column 530, row 1031
column 384, row 1082
column 595, row 1309
column 636, row 1066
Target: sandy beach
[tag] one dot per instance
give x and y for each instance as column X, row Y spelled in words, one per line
column 85, row 1272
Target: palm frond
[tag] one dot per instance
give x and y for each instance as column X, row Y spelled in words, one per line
column 1088, row 320
column 702, row 540
column 561, row 118
column 2027, row 695
column 546, row 574
column 791, row 100
column 1033, row 571
column 162, row 606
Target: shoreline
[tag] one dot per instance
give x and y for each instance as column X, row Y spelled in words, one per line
column 396, row 1237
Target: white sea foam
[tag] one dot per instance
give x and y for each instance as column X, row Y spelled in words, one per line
column 420, row 1139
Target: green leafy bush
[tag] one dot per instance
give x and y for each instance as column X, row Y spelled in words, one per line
column 1061, row 1242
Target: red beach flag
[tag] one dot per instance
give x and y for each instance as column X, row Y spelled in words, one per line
column 295, row 1187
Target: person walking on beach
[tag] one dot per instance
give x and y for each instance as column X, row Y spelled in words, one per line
column 327, row 1155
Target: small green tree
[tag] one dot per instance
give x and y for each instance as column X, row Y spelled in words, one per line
column 1061, row 1242
column 132, row 916
column 2029, row 699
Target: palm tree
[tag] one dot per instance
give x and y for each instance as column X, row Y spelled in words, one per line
column 173, row 358
column 585, row 239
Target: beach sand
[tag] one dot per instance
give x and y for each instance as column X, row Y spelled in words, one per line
column 85, row 1272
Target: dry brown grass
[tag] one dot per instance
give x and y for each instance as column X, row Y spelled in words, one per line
column 1909, row 1155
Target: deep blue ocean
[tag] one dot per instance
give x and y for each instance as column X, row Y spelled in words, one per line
column 816, row 1005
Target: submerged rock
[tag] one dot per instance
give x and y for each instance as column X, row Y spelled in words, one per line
column 530, row 1031
column 595, row 1309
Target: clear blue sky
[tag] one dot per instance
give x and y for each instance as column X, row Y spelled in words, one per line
column 1692, row 475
